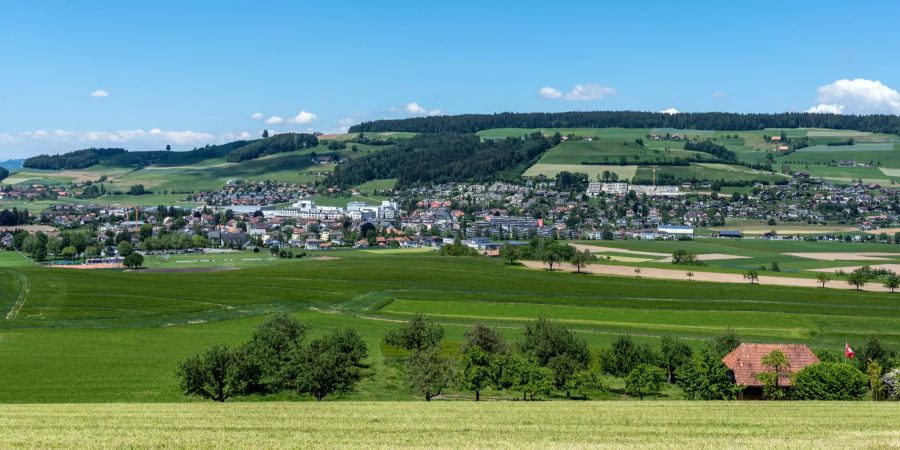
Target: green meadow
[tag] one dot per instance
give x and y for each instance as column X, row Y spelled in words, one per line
column 117, row 336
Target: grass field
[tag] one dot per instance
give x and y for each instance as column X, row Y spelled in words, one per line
column 455, row 425
column 593, row 171
column 130, row 329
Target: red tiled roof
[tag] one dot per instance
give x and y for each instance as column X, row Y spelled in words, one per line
column 746, row 361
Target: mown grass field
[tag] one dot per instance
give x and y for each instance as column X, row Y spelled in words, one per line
column 454, row 425
column 114, row 336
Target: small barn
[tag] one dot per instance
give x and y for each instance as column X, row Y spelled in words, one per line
column 745, row 363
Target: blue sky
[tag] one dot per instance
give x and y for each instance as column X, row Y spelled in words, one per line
column 191, row 73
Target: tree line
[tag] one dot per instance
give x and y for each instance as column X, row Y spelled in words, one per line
column 440, row 158
column 78, row 159
column 472, row 123
column 548, row 359
column 279, row 143
column 4, row 172
column 9, row 218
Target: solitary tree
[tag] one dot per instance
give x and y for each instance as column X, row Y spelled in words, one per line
column 329, row 364
column 209, row 375
column 510, row 253
column 637, row 272
column 580, row 260
column 674, row 354
column 752, row 275
column 822, row 278
column 134, row 260
column 265, row 133
column 428, row 373
column 168, row 148
column 858, row 278
column 416, row 334
column 777, row 362
column 690, row 275
column 124, row 248
column 551, row 256
column 892, row 282
column 645, row 379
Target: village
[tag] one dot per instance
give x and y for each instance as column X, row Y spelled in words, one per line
column 247, row 214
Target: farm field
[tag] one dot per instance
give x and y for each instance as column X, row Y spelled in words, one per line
column 881, row 151
column 129, row 330
column 757, row 253
column 455, row 424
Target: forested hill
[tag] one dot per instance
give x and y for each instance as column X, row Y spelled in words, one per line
column 118, row 157
column 440, row 158
column 471, row 123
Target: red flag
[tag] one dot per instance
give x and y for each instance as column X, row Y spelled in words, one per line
column 848, row 352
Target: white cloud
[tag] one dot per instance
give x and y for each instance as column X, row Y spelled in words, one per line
column 417, row 110
column 274, row 120
column 579, row 92
column 345, row 124
column 303, row 117
column 121, row 136
column 858, row 96
column 670, row 111
column 256, row 116
column 718, row 94
column 7, row 138
column 244, row 135
column 99, row 93
column 549, row 92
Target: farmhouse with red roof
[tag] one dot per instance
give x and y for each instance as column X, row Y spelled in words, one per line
column 745, row 363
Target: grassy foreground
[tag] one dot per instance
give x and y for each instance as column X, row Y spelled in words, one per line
column 454, row 424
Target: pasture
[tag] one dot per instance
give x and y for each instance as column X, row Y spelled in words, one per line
column 116, row 336
column 649, row 424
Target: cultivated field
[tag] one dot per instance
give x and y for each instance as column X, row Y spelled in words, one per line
column 114, row 336
column 454, row 425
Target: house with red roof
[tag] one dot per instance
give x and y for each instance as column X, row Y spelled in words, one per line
column 745, row 363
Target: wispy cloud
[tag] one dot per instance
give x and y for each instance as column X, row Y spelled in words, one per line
column 579, row 92
column 256, row 116
column 418, row 110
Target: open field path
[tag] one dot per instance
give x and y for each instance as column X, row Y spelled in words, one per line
column 681, row 275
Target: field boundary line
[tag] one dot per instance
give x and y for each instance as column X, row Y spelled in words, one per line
column 23, row 294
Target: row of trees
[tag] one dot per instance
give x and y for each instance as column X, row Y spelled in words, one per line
column 78, row 159
column 441, row 158
column 11, row 218
column 278, row 357
column 279, row 143
column 471, row 123
column 548, row 357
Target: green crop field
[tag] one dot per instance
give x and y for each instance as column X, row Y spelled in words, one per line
column 109, row 335
column 713, row 425
column 611, row 151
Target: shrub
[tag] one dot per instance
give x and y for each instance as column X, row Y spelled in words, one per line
column 830, row 381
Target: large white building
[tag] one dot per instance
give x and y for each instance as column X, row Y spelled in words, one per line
column 676, row 230
column 307, row 209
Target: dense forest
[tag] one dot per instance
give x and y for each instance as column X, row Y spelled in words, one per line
column 3, row 173
column 280, row 143
column 78, row 159
column 440, row 158
column 471, row 123
column 118, row 157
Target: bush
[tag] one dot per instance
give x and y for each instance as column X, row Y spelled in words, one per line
column 830, row 381
column 892, row 384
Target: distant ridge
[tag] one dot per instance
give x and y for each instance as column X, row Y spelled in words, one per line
column 472, row 123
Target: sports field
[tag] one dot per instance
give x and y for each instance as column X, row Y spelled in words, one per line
column 516, row 425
